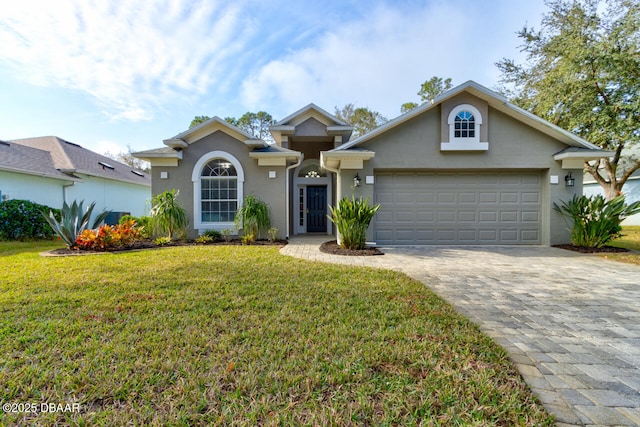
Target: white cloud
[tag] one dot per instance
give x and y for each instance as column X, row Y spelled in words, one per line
column 108, row 147
column 381, row 59
column 129, row 55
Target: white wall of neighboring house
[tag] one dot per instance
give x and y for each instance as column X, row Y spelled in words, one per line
column 41, row 190
column 631, row 191
column 110, row 195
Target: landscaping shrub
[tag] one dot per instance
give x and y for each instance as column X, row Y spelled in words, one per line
column 162, row 241
column 143, row 223
column 108, row 237
column 595, row 222
column 204, row 239
column 273, row 234
column 352, row 218
column 213, row 234
column 254, row 217
column 22, row 219
column 168, row 215
column 73, row 221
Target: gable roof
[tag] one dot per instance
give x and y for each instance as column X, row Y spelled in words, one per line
column 496, row 101
column 69, row 159
column 307, row 111
column 287, row 126
column 214, row 124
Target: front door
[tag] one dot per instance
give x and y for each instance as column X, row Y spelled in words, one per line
column 316, row 209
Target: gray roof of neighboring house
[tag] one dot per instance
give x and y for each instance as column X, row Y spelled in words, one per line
column 69, row 159
column 32, row 161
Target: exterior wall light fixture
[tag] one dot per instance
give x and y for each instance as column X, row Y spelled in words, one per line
column 357, row 182
column 569, row 180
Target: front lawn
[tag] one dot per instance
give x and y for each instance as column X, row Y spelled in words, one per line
column 629, row 240
column 241, row 336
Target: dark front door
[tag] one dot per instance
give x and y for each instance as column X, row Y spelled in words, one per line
column 316, row 208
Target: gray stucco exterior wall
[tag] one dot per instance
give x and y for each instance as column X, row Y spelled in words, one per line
column 512, row 146
column 256, row 178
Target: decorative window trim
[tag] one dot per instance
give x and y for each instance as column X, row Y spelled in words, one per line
column 198, row 224
column 464, row 143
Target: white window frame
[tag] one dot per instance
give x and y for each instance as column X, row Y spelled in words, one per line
column 200, row 225
column 464, row 143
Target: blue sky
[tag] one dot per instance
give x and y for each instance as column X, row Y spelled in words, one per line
column 113, row 74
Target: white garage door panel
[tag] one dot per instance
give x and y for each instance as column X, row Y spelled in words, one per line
column 458, row 208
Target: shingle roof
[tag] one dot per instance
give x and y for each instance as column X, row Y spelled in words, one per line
column 69, row 158
column 24, row 159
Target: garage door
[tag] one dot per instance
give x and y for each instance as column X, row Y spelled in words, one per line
column 427, row 208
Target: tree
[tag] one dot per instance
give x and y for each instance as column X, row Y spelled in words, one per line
column 254, row 217
column 167, row 214
column 408, row 106
column 582, row 73
column 433, row 87
column 128, row 159
column 362, row 119
column 198, row 120
column 257, row 124
column 429, row 90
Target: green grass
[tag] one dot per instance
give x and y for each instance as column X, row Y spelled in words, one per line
column 242, row 336
column 629, row 240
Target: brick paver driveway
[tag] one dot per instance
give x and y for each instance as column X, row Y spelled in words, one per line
column 570, row 322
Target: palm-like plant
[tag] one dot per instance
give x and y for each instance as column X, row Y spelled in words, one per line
column 167, row 213
column 253, row 216
column 73, row 221
column 352, row 218
column 594, row 221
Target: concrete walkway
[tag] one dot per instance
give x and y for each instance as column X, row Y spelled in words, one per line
column 570, row 322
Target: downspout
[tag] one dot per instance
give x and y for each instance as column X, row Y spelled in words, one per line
column 64, row 191
column 287, row 196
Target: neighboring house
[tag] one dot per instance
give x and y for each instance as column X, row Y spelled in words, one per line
column 49, row 171
column 467, row 168
column 631, row 191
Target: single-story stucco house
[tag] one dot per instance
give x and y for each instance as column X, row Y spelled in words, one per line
column 467, row 168
column 50, row 171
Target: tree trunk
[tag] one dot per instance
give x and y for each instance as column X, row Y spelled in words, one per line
column 610, row 183
column 610, row 191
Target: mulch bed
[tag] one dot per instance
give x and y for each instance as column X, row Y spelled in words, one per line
column 582, row 249
column 333, row 248
column 149, row 244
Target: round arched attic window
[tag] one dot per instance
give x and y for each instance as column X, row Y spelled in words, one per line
column 312, row 170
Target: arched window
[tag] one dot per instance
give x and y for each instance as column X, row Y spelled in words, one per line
column 218, row 191
column 464, row 125
column 218, row 180
column 312, row 170
column 464, row 122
